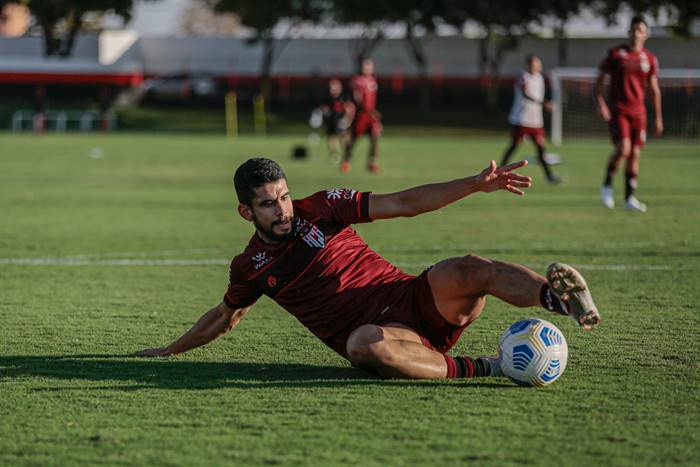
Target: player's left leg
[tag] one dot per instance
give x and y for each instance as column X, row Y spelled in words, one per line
column 394, row 350
column 333, row 147
column 631, row 171
column 539, row 141
column 456, row 283
column 375, row 132
column 638, row 125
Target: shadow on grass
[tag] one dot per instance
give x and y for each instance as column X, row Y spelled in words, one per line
column 179, row 374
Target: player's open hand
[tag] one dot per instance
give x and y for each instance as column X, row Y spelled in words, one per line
column 157, row 352
column 494, row 178
column 658, row 127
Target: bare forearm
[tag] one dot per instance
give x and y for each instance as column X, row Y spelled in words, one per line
column 213, row 324
column 656, row 100
column 600, row 99
column 426, row 198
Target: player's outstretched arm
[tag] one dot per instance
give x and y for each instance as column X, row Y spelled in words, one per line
column 603, row 108
column 426, row 198
column 214, row 323
column 656, row 102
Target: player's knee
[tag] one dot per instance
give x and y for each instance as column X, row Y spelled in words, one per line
column 367, row 348
column 474, row 270
column 624, row 149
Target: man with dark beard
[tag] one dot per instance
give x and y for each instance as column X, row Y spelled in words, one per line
column 306, row 257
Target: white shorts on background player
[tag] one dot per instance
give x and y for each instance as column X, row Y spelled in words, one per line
column 528, row 112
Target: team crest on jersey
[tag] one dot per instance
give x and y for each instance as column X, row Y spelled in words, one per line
column 271, row 281
column 261, row 259
column 337, row 193
column 310, row 233
column 644, row 62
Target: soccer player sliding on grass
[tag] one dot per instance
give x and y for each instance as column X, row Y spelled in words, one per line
column 306, row 257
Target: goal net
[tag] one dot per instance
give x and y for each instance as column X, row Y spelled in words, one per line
column 575, row 112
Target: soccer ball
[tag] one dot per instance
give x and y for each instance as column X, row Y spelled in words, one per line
column 533, row 352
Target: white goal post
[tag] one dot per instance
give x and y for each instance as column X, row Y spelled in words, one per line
column 574, row 111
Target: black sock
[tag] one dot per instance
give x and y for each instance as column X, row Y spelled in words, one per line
column 543, row 163
column 465, row 367
column 609, row 174
column 630, row 184
column 551, row 302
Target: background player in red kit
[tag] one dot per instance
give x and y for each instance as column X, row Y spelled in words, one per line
column 367, row 119
column 306, row 257
column 631, row 68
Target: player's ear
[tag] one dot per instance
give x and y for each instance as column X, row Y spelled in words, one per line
column 246, row 212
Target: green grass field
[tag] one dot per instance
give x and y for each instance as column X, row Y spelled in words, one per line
column 112, row 244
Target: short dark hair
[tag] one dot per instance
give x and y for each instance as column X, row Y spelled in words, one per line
column 529, row 58
column 637, row 20
column 254, row 173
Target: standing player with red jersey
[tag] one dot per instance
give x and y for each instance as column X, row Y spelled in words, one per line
column 306, row 257
column 631, row 68
column 367, row 119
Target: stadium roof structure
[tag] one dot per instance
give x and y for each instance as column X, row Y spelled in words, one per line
column 113, row 58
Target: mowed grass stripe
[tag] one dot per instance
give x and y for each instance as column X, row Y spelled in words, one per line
column 270, row 393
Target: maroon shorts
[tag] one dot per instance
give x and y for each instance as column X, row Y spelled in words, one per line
column 518, row 133
column 630, row 126
column 366, row 123
column 416, row 309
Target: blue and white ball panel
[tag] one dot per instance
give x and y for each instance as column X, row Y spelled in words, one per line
column 533, row 352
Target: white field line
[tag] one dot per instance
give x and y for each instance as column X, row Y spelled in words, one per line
column 73, row 261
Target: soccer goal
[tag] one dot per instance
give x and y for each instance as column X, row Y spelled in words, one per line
column 575, row 112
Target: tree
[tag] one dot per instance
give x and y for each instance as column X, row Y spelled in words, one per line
column 371, row 17
column 416, row 15
column 683, row 12
column 562, row 11
column 61, row 20
column 267, row 18
column 503, row 26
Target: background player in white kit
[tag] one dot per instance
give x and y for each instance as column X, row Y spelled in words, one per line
column 525, row 116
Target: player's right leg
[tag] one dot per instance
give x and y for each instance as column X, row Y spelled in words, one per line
column 345, row 163
column 456, row 283
column 539, row 143
column 620, row 132
column 515, row 139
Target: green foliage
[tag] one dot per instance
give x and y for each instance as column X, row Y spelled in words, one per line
column 49, row 13
column 111, row 216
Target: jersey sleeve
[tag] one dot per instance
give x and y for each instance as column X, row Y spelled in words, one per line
column 241, row 293
column 339, row 205
column 606, row 65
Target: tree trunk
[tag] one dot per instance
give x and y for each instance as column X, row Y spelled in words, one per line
column 362, row 48
column 417, row 53
column 48, row 25
column 562, row 45
column 503, row 44
column 69, row 38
